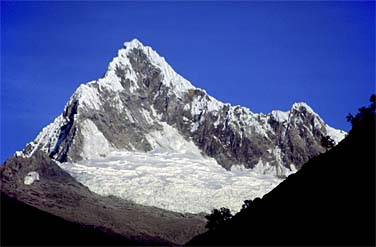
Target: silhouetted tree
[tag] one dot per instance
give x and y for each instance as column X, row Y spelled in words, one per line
column 217, row 217
column 246, row 204
column 327, row 142
column 350, row 118
column 364, row 114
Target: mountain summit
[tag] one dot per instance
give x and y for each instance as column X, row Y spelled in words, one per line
column 143, row 107
column 141, row 93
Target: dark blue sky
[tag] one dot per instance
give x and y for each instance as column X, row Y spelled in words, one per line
column 263, row 55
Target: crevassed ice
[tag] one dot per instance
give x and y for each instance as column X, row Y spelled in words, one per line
column 181, row 182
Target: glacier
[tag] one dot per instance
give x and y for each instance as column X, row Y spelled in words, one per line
column 180, row 182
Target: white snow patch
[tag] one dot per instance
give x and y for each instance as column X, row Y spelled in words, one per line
column 95, row 143
column 316, row 123
column 88, row 96
column 198, row 105
column 216, row 123
column 204, row 103
column 155, row 114
column 31, row 177
column 112, row 81
column 195, row 126
column 118, row 103
column 147, row 116
column 213, row 104
column 186, row 107
column 335, row 134
column 298, row 105
column 260, row 129
column 280, row 116
column 169, row 140
column 293, row 168
column 129, row 115
column 19, row 154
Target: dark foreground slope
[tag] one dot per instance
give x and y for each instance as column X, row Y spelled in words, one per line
column 56, row 193
column 25, row 225
column 330, row 201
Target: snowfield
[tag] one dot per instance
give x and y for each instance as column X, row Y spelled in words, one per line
column 174, row 181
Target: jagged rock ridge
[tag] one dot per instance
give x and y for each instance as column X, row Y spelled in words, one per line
column 141, row 98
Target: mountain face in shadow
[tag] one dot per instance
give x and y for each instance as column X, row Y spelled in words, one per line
column 330, row 201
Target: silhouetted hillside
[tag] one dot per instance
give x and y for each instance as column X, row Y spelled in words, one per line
column 22, row 224
column 330, row 201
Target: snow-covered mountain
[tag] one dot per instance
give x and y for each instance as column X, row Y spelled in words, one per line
column 142, row 109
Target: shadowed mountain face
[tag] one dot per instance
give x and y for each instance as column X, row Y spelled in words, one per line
column 330, row 201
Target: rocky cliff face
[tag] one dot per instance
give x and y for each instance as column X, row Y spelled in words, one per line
column 141, row 99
